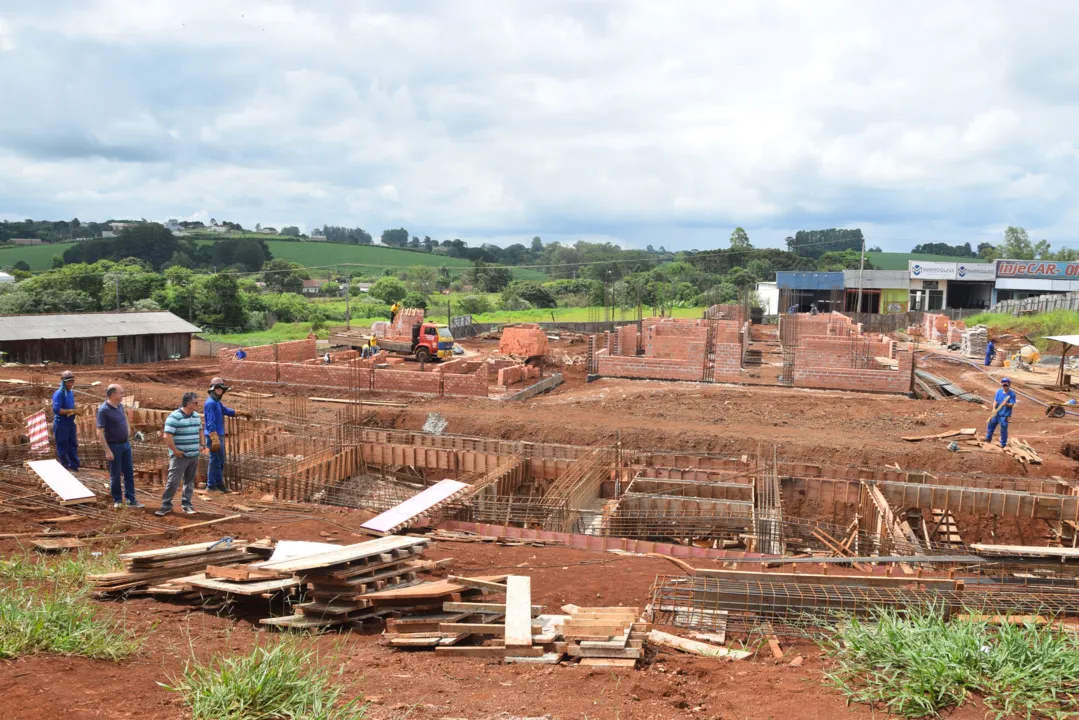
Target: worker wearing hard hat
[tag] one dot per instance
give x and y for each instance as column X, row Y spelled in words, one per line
column 63, row 422
column 214, row 413
column 1002, row 410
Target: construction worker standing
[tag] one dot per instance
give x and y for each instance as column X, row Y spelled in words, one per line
column 990, row 351
column 63, row 423
column 394, row 309
column 1002, row 410
column 214, row 413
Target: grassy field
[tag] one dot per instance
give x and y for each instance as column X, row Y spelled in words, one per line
column 898, row 261
column 38, row 257
column 367, row 258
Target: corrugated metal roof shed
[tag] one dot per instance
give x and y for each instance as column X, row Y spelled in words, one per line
column 90, row 325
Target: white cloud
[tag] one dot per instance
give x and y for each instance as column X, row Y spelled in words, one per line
column 639, row 121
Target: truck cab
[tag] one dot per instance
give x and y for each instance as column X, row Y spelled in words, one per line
column 432, row 341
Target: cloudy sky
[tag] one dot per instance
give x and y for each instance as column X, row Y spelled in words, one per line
column 664, row 123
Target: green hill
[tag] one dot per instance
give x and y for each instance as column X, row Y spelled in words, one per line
column 312, row 254
column 899, row 261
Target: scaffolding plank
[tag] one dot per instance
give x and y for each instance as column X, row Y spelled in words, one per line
column 65, row 485
column 518, row 611
column 401, row 515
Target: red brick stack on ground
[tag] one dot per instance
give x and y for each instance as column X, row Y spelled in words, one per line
column 527, row 340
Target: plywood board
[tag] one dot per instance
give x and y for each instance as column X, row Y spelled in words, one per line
column 518, row 611
column 345, row 554
column 66, row 486
column 400, row 515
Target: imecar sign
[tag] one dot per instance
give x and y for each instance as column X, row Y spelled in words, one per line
column 1038, row 269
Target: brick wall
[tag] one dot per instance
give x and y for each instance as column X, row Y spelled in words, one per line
column 627, row 340
column 518, row 373
column 320, row 375
column 295, row 351
column 649, row 368
column 884, row 381
column 737, row 313
column 472, row 384
column 248, row 370
column 407, row 381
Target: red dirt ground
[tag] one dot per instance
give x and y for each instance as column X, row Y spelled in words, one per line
column 821, row 426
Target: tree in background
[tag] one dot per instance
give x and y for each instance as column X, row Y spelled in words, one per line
column 1017, row 246
column 388, row 289
column 356, row 236
column 740, row 240
column 414, row 300
column 421, row 279
column 988, row 251
column 814, row 243
column 395, row 238
column 473, row 305
column 21, row 265
column 532, row 292
column 290, row 231
column 249, row 254
column 219, row 304
column 537, row 245
column 488, row 279
column 963, row 251
column 283, row 276
column 331, row 288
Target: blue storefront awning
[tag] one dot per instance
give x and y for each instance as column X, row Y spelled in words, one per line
column 809, row 280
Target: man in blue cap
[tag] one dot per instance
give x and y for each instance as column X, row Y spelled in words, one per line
column 1003, row 404
column 63, row 423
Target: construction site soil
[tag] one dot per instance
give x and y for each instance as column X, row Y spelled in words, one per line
column 836, row 428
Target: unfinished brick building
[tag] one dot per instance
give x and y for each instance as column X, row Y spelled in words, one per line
column 297, row 363
column 810, row 351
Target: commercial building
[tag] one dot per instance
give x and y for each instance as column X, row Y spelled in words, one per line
column 1018, row 279
column 883, row 291
column 938, row 285
column 807, row 289
column 95, row 338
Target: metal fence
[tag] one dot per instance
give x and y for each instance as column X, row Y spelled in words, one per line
column 1039, row 304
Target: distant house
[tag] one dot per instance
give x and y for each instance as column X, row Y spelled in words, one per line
column 363, row 286
column 118, row 227
column 312, row 287
column 220, row 228
column 25, row 241
column 5, row 278
column 268, row 231
column 174, row 225
column 108, row 234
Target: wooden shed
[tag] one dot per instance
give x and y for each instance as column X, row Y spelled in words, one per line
column 95, row 338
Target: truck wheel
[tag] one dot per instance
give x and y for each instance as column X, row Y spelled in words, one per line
column 423, row 355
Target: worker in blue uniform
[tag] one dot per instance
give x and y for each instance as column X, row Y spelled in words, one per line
column 1002, row 410
column 214, row 413
column 990, row 351
column 63, row 422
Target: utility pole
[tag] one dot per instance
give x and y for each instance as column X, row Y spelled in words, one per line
column 861, row 270
column 117, row 292
column 348, row 303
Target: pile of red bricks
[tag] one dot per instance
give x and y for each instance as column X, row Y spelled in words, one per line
column 527, row 340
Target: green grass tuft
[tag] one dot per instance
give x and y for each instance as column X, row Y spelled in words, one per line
column 68, row 570
column 282, row 680
column 919, row 664
column 59, row 621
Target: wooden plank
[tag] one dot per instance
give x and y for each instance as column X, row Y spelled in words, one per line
column 662, row 639
column 550, row 658
column 62, row 519
column 242, row 573
column 65, row 485
column 477, row 583
column 584, row 652
column 483, row 608
column 253, row 588
column 426, row 591
column 177, row 551
column 613, row 663
column 518, row 611
column 206, row 523
column 53, row 544
column 348, row 553
column 820, row 579
column 495, row 629
column 1025, row 550
column 404, row 513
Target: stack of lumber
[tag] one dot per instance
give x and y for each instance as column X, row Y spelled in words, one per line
column 157, row 567
column 468, row 537
column 974, row 341
column 339, row 583
column 604, row 636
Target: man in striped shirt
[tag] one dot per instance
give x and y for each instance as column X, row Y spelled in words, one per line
column 183, row 435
